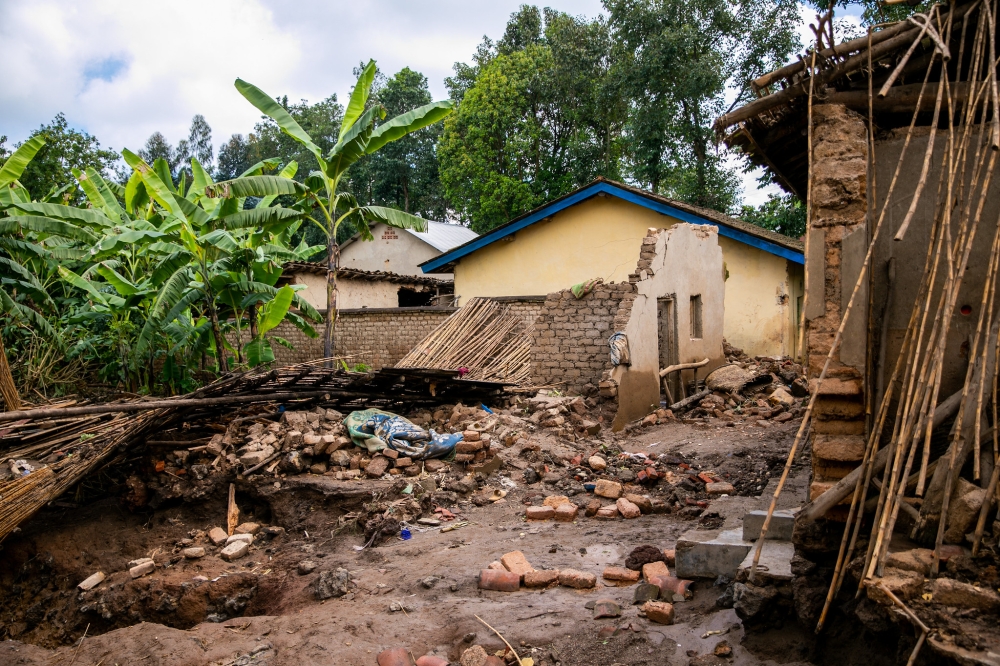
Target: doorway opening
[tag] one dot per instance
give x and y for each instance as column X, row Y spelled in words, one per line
column 666, row 313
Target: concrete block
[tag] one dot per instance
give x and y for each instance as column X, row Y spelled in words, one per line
column 782, row 524
column 710, row 553
column 775, row 562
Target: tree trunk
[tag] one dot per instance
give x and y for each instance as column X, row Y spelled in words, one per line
column 220, row 348
column 253, row 315
column 333, row 260
column 8, row 390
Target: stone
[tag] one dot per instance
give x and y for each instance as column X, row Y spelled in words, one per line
column 710, row 553
column 143, row 569
column 649, row 420
column 496, row 566
column 555, row 501
column 607, row 512
column 904, row 584
column 91, row 581
column 606, row 608
column 620, row 575
column 332, row 584
column 775, row 565
column 581, row 580
column 193, row 553
column 627, row 509
column 723, row 649
column 293, row 440
column 950, row 592
column 500, row 581
column 543, row 578
column 782, row 524
column 377, row 467
column 592, row 428
column 217, row 536
column 394, row 657
column 917, row 560
column 653, row 569
column 247, row 528
column 234, row 551
column 293, row 462
column 597, row 463
column 305, row 567
column 474, row 656
column 719, row 488
column 516, row 562
column 609, row 489
column 728, row 378
column 963, row 511
column 750, row 600
column 340, row 458
column 781, row 396
column 317, row 468
column 539, row 512
column 659, row 612
column 644, row 503
column 245, row 538
column 431, row 660
column 593, row 506
column 645, row 592
column 251, row 458
column 434, row 466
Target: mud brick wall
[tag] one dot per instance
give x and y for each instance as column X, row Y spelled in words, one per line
column 375, row 337
column 570, row 349
column 836, row 236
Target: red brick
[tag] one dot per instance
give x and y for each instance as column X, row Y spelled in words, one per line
column 609, row 489
column 390, row 453
column 469, row 447
column 555, row 501
column 394, row 657
column 377, row 467
column 431, row 660
column 651, row 569
column 671, row 585
column 470, row 436
column 539, row 512
column 607, row 512
column 542, row 578
column 621, row 575
column 501, row 581
column 627, row 509
column 404, row 462
column 516, row 562
column 592, row 507
column 464, row 457
column 578, row 579
column 659, row 612
column 566, row 512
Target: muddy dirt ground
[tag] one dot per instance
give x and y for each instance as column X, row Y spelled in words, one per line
column 421, row 593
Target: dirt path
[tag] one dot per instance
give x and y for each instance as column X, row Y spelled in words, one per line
column 421, row 594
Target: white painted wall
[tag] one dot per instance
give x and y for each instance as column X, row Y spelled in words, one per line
column 393, row 250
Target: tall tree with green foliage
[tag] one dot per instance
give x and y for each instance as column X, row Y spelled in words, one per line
column 50, row 172
column 538, row 114
column 679, row 61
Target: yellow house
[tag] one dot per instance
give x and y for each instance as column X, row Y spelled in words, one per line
column 597, row 231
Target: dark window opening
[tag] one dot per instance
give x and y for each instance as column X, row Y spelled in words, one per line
column 410, row 298
column 696, row 316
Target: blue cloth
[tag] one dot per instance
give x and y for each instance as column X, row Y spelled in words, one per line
column 375, row 430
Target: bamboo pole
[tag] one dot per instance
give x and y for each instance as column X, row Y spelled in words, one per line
column 8, row 390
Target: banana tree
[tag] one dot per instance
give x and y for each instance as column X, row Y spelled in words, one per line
column 362, row 132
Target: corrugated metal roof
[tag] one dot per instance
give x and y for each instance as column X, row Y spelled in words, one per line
column 443, row 236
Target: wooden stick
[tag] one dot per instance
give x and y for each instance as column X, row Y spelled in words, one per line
column 682, row 366
column 688, row 401
column 906, row 58
column 232, row 511
column 509, row 646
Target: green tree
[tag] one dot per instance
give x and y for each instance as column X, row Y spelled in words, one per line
column 538, row 115
column 362, row 132
column 782, row 213
column 50, row 172
column 197, row 145
column 677, row 60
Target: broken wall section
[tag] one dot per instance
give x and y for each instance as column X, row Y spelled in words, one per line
column 676, row 315
column 570, row 349
column 836, row 243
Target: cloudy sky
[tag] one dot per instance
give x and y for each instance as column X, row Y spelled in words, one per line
column 122, row 70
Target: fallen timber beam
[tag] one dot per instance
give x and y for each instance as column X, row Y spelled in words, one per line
column 832, row 497
column 690, row 400
column 683, row 366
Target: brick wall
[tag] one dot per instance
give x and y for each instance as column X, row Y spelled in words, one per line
column 571, row 337
column 526, row 307
column 375, row 337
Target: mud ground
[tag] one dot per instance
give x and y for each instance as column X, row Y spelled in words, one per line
column 421, row 593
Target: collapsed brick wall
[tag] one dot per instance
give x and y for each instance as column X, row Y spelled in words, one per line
column 839, row 208
column 570, row 349
column 375, row 337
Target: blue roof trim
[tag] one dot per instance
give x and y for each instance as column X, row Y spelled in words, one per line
column 632, row 197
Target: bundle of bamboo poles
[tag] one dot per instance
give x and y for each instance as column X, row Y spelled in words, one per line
column 966, row 171
column 8, row 391
column 484, row 338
